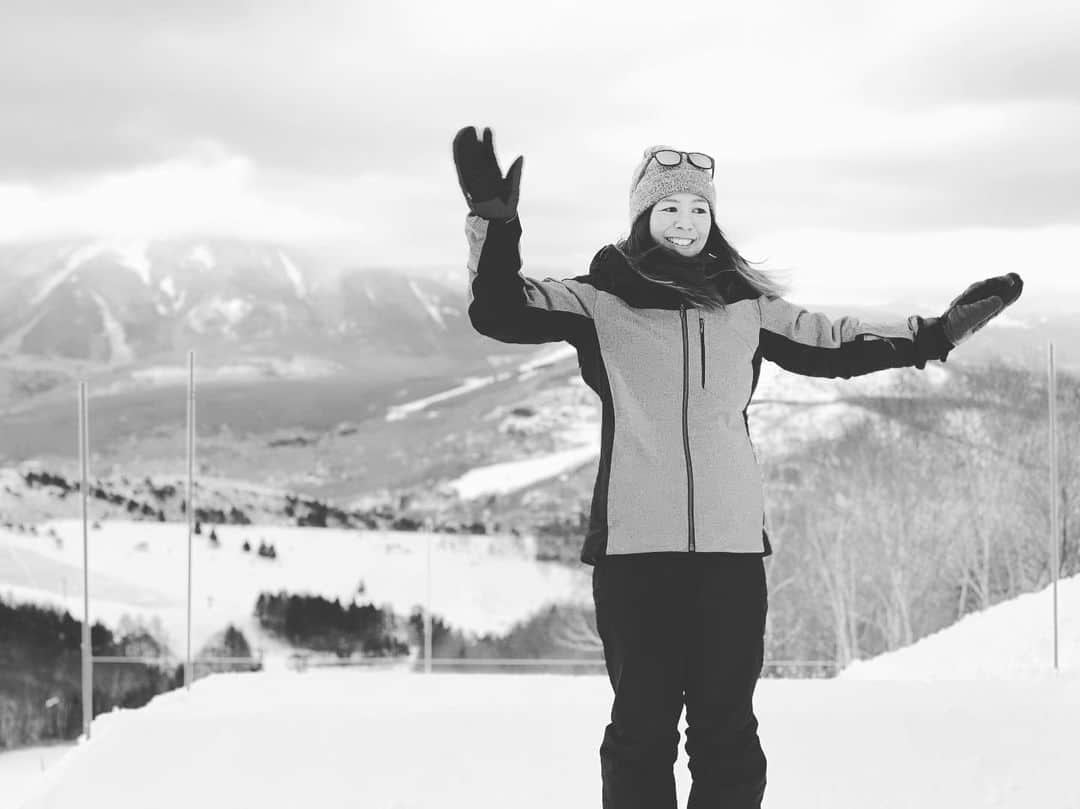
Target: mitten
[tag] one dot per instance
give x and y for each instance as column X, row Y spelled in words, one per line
column 489, row 194
column 978, row 305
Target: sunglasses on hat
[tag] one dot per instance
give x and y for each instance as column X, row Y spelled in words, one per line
column 670, row 157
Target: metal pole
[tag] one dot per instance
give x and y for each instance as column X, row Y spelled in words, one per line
column 1054, row 536
column 87, row 661
column 427, row 612
column 190, row 503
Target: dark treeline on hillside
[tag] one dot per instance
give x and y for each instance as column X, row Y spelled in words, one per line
column 41, row 671
column 40, row 659
column 559, row 631
column 315, row 623
column 143, row 500
column 906, row 523
column 40, row 674
column 318, row 624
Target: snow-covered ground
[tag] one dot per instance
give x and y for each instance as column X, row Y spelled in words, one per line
column 395, row 740
column 479, row 584
column 921, row 737
column 20, row 769
column 1010, row 641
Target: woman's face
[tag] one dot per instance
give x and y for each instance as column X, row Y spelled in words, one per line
column 681, row 223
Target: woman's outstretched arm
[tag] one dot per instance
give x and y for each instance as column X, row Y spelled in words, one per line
column 810, row 344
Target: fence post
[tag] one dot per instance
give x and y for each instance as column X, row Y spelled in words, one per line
column 87, row 661
column 1055, row 538
column 427, row 612
column 190, row 503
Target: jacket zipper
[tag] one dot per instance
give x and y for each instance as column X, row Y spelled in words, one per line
column 701, row 330
column 685, row 428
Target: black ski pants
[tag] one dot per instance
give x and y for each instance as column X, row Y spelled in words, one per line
column 682, row 628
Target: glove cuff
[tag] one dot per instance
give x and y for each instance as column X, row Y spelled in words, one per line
column 930, row 340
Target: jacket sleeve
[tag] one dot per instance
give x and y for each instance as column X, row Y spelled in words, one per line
column 512, row 308
column 810, row 344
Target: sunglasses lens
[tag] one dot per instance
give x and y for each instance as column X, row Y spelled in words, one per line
column 702, row 161
column 666, row 157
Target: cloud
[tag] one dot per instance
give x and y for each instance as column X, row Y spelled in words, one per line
column 325, row 87
column 205, row 192
column 975, row 52
column 834, row 265
column 929, row 116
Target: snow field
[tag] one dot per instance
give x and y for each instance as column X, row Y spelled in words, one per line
column 400, row 740
column 479, row 584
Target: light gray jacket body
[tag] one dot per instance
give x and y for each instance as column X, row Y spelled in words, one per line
column 678, row 471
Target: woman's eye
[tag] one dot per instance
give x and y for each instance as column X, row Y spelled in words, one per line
column 696, row 210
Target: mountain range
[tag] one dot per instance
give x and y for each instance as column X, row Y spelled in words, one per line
column 361, row 386
column 106, row 305
column 112, row 305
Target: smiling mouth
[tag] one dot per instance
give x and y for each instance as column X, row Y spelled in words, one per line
column 679, row 242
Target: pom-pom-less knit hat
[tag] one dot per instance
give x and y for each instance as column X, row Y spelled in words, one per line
column 653, row 181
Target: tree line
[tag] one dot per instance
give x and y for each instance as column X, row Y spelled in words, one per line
column 41, row 661
column 41, row 670
column 918, row 516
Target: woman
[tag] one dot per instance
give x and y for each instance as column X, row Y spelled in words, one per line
column 671, row 326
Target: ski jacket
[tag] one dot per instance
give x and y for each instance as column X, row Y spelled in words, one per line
column 677, row 471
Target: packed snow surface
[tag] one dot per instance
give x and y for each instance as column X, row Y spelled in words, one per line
column 400, row 740
column 905, row 733
column 23, row 768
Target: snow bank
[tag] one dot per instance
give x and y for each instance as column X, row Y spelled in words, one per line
column 1008, row 641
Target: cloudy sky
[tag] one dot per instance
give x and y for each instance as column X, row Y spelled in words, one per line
column 863, row 150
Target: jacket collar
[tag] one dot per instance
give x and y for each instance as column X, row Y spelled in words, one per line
column 609, row 272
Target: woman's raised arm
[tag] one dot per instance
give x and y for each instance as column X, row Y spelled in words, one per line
column 512, row 308
column 503, row 303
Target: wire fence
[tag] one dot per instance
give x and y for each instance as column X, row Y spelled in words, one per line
column 427, row 661
column 169, row 659
column 302, row 661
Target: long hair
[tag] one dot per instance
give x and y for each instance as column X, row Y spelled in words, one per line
column 698, row 280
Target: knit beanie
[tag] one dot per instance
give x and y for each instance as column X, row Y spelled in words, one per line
column 653, row 181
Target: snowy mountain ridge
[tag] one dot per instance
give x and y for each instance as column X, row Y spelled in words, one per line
column 118, row 303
